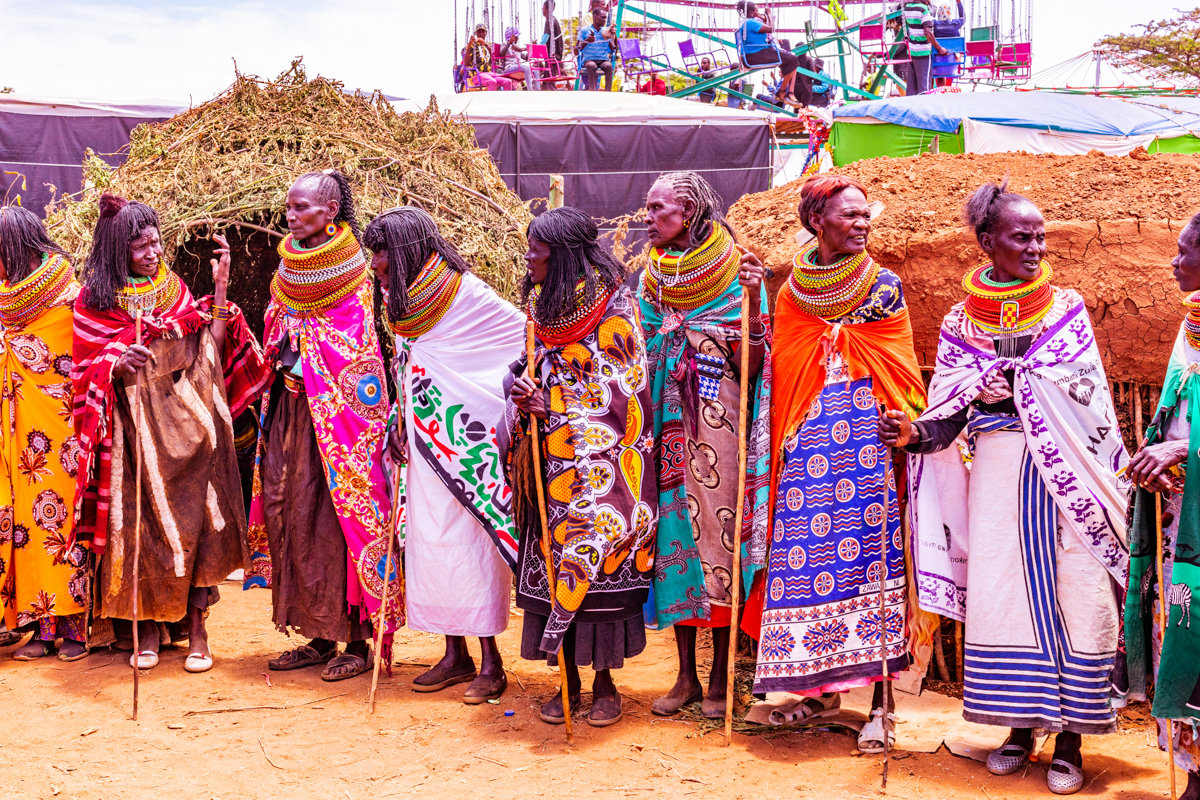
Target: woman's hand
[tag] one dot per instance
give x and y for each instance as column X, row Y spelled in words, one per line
column 895, row 429
column 220, row 265
column 750, row 275
column 133, row 359
column 1148, row 467
column 529, row 398
column 397, row 444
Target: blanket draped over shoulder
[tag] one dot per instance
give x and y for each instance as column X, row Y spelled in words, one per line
column 334, row 333
column 99, row 340
column 1177, row 684
column 599, row 468
column 1071, row 434
column 680, row 377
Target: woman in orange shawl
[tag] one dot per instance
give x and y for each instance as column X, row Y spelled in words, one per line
column 843, row 346
column 43, row 573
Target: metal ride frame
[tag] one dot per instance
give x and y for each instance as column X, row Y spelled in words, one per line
column 837, row 36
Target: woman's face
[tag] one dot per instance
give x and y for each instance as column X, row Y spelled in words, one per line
column 665, row 215
column 1187, row 261
column 380, row 265
column 145, row 252
column 537, row 261
column 307, row 216
column 1017, row 244
column 845, row 224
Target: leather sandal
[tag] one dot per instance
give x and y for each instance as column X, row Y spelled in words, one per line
column 452, row 680
column 37, row 648
column 574, row 700
column 358, row 665
column 302, row 656
column 485, row 688
column 667, row 707
column 604, row 722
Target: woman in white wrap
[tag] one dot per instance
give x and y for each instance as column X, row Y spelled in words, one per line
column 1028, row 545
column 454, row 340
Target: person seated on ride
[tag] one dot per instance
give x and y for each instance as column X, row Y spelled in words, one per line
column 757, row 48
column 595, row 50
column 479, row 58
column 513, row 61
column 653, row 85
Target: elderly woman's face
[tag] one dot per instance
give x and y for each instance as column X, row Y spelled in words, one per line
column 145, row 253
column 537, row 261
column 845, row 224
column 380, row 265
column 1017, row 243
column 1187, row 262
column 306, row 215
column 665, row 217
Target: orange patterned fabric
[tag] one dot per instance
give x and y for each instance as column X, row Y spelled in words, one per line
column 882, row 349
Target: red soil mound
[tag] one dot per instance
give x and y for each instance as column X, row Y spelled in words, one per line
column 1112, row 225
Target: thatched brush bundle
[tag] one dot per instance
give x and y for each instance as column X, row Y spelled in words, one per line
column 226, row 166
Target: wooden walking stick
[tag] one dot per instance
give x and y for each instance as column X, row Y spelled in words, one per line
column 736, row 577
column 1162, row 626
column 551, row 577
column 137, row 514
column 883, row 548
column 381, row 621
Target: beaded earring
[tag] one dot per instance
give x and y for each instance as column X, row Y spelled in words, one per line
column 331, row 229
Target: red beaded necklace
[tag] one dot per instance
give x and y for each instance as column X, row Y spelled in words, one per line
column 575, row 327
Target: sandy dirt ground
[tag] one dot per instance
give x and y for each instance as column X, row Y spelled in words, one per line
column 67, row 734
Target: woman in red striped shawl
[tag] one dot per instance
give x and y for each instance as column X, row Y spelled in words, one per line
column 136, row 322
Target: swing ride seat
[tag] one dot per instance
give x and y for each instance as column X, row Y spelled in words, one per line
column 691, row 59
column 739, row 43
column 634, row 63
column 1014, row 62
column 981, row 60
column 549, row 70
column 875, row 49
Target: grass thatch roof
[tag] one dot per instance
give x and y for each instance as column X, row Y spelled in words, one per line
column 226, row 166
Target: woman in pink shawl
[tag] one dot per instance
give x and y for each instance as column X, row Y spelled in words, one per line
column 319, row 519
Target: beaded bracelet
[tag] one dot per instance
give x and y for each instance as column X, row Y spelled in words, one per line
column 220, row 312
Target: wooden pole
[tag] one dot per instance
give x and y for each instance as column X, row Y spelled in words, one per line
column 1162, row 625
column 381, row 621
column 137, row 524
column 558, row 192
column 1137, row 411
column 883, row 549
column 736, row 577
column 551, row 577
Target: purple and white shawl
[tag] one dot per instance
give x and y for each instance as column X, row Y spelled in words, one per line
column 1071, row 433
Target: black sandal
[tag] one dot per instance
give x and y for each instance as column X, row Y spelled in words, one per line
column 358, row 665
column 303, row 656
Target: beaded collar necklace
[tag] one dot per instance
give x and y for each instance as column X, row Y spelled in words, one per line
column 832, row 291
column 1191, row 323
column 22, row 301
column 695, row 277
column 314, row 279
column 429, row 298
column 574, row 327
column 157, row 293
column 1007, row 308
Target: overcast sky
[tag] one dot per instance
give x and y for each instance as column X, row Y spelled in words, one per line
column 181, row 51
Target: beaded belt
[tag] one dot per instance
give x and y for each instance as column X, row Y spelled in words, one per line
column 293, row 383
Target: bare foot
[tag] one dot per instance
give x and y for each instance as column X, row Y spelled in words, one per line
column 197, row 632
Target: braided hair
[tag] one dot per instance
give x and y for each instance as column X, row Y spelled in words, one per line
column 692, row 186
column 987, row 206
column 333, row 185
column 575, row 255
column 23, row 241
column 107, row 269
column 410, row 236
